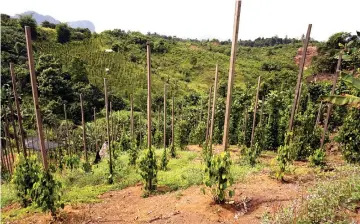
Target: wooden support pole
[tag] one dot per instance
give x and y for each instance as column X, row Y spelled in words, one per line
column 173, row 123
column 208, row 118
column 149, row 94
column 66, row 132
column 164, row 117
column 7, row 159
column 14, row 127
column 18, row 111
column 212, row 121
column 35, row 97
column 298, row 83
column 298, row 102
column 338, row 66
column 95, row 132
column 83, row 126
column 262, row 110
column 8, row 141
column 107, row 125
column 231, row 73
column 318, row 115
column 111, row 123
column 255, row 111
column 132, row 117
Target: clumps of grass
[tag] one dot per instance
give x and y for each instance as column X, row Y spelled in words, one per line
column 330, row 201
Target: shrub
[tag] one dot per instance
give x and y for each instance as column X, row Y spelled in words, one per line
column 46, row 193
column 164, row 160
column 284, row 158
column 349, row 137
column 87, row 167
column 250, row 154
column 318, row 158
column 72, row 161
column 26, row 174
column 148, row 169
column 218, row 177
column 133, row 153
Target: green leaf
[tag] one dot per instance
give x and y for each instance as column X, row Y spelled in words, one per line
column 351, row 100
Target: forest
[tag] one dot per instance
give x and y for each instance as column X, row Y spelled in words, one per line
column 154, row 126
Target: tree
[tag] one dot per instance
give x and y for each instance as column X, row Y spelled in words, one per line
column 27, row 20
column 63, row 33
column 47, row 24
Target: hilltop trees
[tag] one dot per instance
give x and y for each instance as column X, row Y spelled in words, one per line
column 63, row 33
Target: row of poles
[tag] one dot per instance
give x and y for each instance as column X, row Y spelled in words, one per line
column 210, row 117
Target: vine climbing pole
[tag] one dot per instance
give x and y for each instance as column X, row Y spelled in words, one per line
column 164, row 116
column 132, row 117
column 14, row 127
column 35, row 97
column 231, row 73
column 107, row 125
column 338, row 66
column 83, row 127
column 66, row 132
column 208, row 118
column 18, row 111
column 213, row 110
column 148, row 55
column 255, row 111
column 300, row 74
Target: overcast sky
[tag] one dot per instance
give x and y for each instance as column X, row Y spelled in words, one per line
column 203, row 18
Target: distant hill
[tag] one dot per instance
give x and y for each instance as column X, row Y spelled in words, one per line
column 74, row 24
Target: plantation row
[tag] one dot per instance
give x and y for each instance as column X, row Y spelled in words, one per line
column 268, row 117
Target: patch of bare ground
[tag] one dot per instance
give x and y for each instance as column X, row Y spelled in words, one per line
column 185, row 206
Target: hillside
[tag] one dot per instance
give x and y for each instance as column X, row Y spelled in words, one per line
column 39, row 18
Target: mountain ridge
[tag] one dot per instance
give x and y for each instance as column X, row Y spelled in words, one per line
column 39, row 18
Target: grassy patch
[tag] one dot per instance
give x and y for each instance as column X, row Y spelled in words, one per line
column 8, row 194
column 332, row 200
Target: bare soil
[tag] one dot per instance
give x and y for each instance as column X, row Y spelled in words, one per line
column 255, row 196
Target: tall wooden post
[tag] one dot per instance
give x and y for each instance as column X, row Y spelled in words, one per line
column 213, row 109
column 231, row 73
column 173, row 123
column 14, row 127
column 107, row 125
column 164, row 117
column 149, row 94
column 7, row 140
column 35, row 97
column 318, row 115
column 298, row 84
column 298, row 102
column 338, row 66
column 66, row 132
column 255, row 111
column 95, row 132
column 208, row 118
column 111, row 123
column 132, row 117
column 7, row 159
column 18, row 111
column 83, row 125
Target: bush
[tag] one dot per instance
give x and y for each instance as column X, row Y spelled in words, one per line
column 218, row 177
column 72, row 161
column 250, row 154
column 148, row 169
column 46, row 193
column 284, row 158
column 87, row 167
column 349, row 137
column 164, row 160
column 133, row 153
column 26, row 174
column 318, row 158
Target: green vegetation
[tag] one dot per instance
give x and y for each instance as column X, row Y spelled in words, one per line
column 330, row 201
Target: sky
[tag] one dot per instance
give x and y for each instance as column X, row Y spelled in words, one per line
column 203, row 19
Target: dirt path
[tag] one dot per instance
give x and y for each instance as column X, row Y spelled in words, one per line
column 251, row 201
